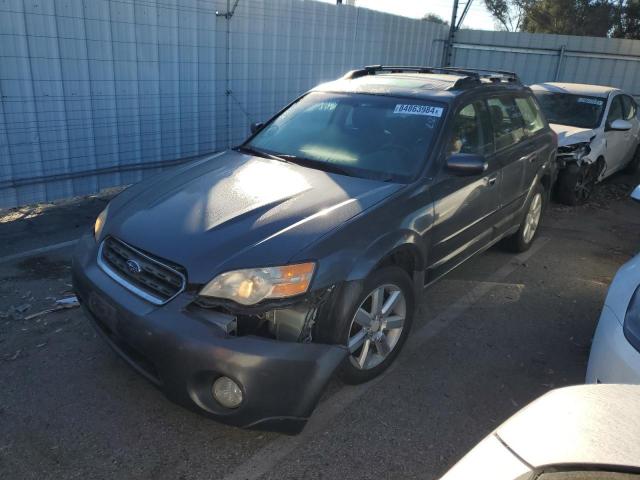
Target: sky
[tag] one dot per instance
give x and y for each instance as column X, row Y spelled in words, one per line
column 478, row 17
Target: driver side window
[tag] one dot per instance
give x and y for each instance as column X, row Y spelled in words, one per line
column 470, row 133
column 615, row 111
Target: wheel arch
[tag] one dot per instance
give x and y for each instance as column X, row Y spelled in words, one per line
column 405, row 250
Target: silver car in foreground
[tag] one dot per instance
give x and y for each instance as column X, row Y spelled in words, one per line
column 615, row 352
column 587, row 432
column 598, row 133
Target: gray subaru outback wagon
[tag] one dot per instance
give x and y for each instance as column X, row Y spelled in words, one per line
column 241, row 282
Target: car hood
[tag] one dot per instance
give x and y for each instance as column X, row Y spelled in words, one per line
column 568, row 135
column 233, row 210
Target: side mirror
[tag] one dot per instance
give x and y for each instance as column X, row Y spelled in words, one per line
column 636, row 194
column 464, row 164
column 620, row 125
column 256, row 126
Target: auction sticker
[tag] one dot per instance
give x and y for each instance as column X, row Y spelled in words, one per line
column 427, row 110
column 591, row 101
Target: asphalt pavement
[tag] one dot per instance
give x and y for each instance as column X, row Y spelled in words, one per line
column 489, row 338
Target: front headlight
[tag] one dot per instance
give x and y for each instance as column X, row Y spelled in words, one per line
column 577, row 150
column 252, row 285
column 97, row 227
column 632, row 320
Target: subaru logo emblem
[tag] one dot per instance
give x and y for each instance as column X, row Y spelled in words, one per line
column 133, row 266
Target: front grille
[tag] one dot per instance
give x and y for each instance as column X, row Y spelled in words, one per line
column 139, row 272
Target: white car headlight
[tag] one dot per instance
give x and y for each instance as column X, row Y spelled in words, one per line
column 97, row 227
column 577, row 150
column 252, row 285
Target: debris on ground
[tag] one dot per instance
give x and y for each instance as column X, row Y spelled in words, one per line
column 15, row 355
column 29, row 212
column 61, row 304
column 68, row 302
column 22, row 308
column 606, row 193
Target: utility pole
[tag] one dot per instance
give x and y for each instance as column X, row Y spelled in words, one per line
column 448, row 45
column 453, row 28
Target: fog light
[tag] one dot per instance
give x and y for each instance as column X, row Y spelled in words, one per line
column 227, row 392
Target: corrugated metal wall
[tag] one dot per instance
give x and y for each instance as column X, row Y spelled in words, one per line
column 542, row 58
column 98, row 93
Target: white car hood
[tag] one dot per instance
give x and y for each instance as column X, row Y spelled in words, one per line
column 568, row 135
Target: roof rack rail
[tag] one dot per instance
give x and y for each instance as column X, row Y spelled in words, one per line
column 488, row 73
column 473, row 73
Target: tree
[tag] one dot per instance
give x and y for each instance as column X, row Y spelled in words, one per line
column 432, row 17
column 627, row 23
column 597, row 18
column 508, row 13
column 570, row 17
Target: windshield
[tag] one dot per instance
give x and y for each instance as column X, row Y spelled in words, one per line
column 369, row 136
column 572, row 110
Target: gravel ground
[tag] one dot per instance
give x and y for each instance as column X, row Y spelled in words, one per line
column 489, row 338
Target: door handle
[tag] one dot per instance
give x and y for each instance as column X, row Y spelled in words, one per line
column 531, row 157
column 492, row 180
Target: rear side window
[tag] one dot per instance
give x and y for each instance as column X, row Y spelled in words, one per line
column 470, row 130
column 531, row 115
column 507, row 121
column 629, row 107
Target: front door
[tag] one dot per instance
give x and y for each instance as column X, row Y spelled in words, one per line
column 464, row 206
column 618, row 142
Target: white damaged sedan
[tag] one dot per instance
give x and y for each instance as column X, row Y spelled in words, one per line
column 598, row 134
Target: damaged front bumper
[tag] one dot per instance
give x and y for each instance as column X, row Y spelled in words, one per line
column 183, row 352
column 576, row 153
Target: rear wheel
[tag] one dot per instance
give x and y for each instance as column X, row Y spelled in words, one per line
column 375, row 324
column 576, row 183
column 633, row 166
column 523, row 238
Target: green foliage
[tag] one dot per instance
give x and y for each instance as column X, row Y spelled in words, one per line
column 627, row 24
column 432, row 17
column 598, row 18
column 508, row 13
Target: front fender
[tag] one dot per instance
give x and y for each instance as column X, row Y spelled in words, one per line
column 386, row 245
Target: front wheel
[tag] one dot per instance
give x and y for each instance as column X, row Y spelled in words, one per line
column 523, row 238
column 576, row 183
column 376, row 324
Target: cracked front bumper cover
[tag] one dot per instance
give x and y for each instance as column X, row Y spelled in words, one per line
column 183, row 355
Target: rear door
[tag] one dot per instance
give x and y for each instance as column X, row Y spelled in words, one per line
column 464, row 206
column 513, row 155
column 537, row 143
column 630, row 112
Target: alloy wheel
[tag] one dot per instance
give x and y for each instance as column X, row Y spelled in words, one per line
column 584, row 183
column 377, row 326
column 533, row 218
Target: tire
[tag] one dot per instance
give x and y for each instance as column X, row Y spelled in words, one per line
column 522, row 240
column 633, row 166
column 379, row 345
column 576, row 183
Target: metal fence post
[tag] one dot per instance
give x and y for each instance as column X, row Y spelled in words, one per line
column 556, row 77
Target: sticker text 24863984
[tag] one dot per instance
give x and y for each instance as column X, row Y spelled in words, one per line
column 418, row 110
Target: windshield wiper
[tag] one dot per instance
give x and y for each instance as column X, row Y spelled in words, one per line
column 326, row 166
column 259, row 153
